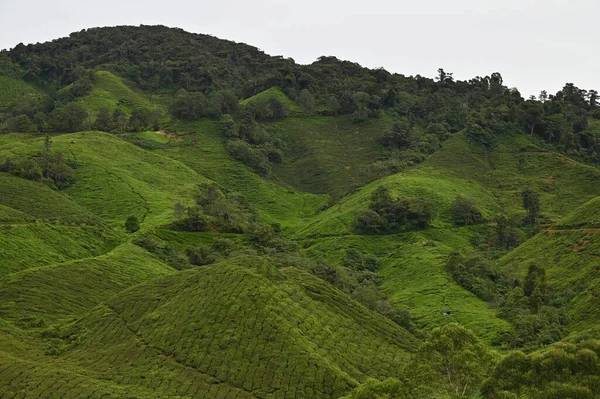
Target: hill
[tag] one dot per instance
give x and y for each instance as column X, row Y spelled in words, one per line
column 109, row 92
column 183, row 216
column 310, row 339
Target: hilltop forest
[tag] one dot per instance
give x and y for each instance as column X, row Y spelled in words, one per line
column 187, row 217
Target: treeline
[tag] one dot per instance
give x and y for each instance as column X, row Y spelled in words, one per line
column 388, row 215
column 208, row 75
column 452, row 363
column 74, row 117
column 47, row 166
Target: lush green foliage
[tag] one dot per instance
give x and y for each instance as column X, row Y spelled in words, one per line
column 248, row 226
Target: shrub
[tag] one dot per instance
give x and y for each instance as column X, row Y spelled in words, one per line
column 132, row 224
column 464, row 212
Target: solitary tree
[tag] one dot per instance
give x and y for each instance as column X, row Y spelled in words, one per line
column 132, row 224
column 464, row 212
column 307, row 101
column 46, row 155
column 531, row 203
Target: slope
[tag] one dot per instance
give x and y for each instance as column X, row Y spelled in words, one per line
column 248, row 329
column 412, row 264
column 209, row 157
column 570, row 253
column 109, row 92
column 115, row 179
column 328, row 155
column 11, row 90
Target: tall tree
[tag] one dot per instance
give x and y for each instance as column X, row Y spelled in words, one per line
column 531, row 203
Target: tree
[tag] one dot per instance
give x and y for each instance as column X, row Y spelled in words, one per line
column 188, row 106
column 104, row 120
column 536, row 287
column 70, row 118
column 480, row 135
column 399, row 136
column 593, row 98
column 60, row 172
column 360, row 102
column 179, row 210
column 531, row 203
column 390, row 388
column 120, row 121
column 228, row 127
column 333, row 105
column 532, row 114
column 464, row 212
column 505, row 233
column 451, row 362
column 369, row 222
column 223, row 102
column 20, row 124
column 307, row 102
column 444, row 76
column 47, row 154
column 140, row 119
column 421, row 212
column 132, row 224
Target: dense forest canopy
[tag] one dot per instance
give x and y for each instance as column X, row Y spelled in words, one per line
column 163, row 60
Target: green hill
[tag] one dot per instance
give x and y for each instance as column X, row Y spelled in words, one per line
column 109, row 92
column 327, row 155
column 569, row 253
column 12, row 90
column 206, row 245
column 309, row 339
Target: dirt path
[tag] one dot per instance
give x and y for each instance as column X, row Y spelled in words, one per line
column 170, row 136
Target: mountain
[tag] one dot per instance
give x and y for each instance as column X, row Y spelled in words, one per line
column 183, row 216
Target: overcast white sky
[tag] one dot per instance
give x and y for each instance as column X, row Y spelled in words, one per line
column 534, row 44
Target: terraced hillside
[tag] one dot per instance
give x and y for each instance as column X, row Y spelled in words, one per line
column 109, row 92
column 309, row 339
column 570, row 253
column 207, row 244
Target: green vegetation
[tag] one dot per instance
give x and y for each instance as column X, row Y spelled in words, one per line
column 110, row 92
column 182, row 216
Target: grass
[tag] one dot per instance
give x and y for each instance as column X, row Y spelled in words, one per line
column 275, row 92
column 114, row 179
column 413, row 274
column 11, row 89
column 31, row 245
column 85, row 313
column 570, row 258
column 50, row 206
column 250, row 329
column 585, row 216
column 327, row 155
column 110, row 92
column 516, row 165
column 210, row 158
column 153, row 136
column 58, row 291
column 418, row 182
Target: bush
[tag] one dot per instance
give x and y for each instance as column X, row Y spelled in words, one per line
column 132, row 224
column 464, row 212
column 202, row 256
column 194, row 221
column 250, row 156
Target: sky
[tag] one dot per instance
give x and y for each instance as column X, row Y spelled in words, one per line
column 536, row 45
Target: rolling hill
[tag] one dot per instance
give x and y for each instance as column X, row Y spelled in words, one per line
column 238, row 283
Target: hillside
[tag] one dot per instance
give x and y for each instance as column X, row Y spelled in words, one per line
column 187, row 217
column 310, row 339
